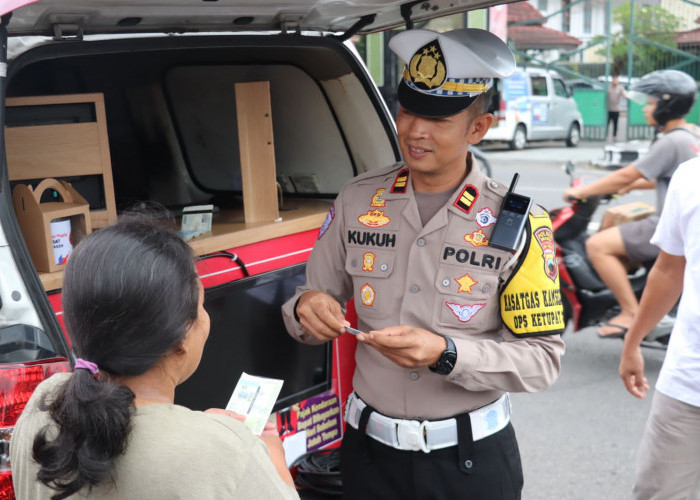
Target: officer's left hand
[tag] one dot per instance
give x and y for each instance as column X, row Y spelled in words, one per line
column 405, row 345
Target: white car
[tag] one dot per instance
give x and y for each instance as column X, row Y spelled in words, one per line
column 534, row 105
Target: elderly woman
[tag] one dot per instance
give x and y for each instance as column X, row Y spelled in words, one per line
column 134, row 312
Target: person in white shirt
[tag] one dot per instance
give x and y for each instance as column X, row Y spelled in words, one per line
column 668, row 460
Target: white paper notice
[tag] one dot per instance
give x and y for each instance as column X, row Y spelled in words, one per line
column 254, row 397
column 294, row 447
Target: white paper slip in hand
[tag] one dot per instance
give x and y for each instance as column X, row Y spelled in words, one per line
column 255, row 397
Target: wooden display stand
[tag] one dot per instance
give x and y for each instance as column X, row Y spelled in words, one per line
column 257, row 150
column 59, row 150
column 35, row 219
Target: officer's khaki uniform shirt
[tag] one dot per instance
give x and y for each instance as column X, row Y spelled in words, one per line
column 441, row 277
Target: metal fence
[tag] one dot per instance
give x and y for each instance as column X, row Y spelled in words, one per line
column 591, row 103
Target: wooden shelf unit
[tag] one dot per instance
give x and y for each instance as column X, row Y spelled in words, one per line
column 64, row 150
column 229, row 230
column 60, row 150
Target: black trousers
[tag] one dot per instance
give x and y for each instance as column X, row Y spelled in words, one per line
column 371, row 470
column 613, row 116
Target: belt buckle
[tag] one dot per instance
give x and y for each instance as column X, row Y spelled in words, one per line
column 411, row 434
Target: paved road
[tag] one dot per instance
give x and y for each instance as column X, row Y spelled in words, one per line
column 542, row 176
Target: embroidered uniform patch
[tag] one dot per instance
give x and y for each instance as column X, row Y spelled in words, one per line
column 466, row 283
column 368, row 262
column 530, row 300
column 477, row 238
column 464, row 312
column 367, row 295
column 485, row 218
column 466, row 199
column 545, row 239
column 400, row 182
column 327, row 221
column 374, row 218
column 378, row 198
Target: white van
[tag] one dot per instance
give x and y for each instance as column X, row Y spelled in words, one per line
column 534, row 104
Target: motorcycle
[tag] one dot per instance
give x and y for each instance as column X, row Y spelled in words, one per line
column 586, row 299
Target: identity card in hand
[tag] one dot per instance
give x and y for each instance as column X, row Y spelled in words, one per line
column 254, row 397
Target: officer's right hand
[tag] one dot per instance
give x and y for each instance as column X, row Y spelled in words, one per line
column 321, row 315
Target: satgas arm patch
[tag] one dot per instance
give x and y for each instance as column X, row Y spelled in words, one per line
column 531, row 298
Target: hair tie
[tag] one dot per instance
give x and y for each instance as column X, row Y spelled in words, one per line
column 81, row 364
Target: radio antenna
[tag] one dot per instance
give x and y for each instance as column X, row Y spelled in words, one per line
column 513, row 182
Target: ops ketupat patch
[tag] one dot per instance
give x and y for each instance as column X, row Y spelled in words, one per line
column 531, row 298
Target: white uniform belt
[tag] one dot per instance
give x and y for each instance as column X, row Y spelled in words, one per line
column 428, row 435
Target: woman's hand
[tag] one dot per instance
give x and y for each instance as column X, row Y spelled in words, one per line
column 272, row 441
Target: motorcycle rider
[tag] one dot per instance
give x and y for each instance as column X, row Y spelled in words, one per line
column 669, row 95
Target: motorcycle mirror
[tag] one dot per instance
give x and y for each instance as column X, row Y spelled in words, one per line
column 569, row 167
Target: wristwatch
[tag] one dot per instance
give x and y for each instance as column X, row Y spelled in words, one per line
column 447, row 360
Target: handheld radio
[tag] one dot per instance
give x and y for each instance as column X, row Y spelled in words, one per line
column 511, row 221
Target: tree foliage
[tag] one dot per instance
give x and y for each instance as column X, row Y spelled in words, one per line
column 651, row 23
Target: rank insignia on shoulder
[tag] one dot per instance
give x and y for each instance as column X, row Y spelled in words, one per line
column 485, row 218
column 477, row 238
column 368, row 261
column 466, row 198
column 464, row 312
column 400, row 182
column 374, row 218
column 367, row 295
column 378, row 198
column 327, row 221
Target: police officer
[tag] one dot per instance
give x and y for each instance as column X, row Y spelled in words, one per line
column 452, row 323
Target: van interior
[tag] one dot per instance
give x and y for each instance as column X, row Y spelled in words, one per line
column 174, row 131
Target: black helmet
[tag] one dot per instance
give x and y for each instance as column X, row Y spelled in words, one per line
column 674, row 89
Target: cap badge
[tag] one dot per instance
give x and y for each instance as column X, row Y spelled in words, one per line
column 427, row 67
